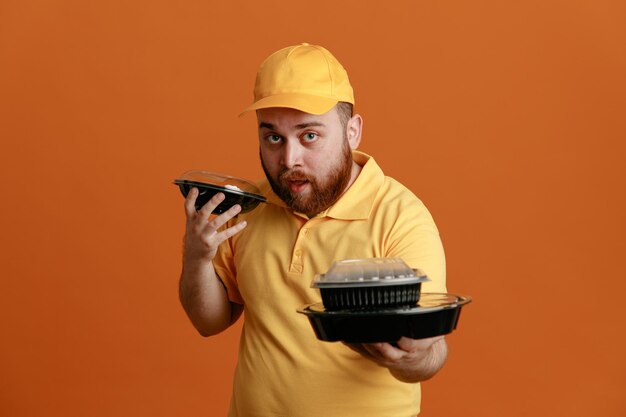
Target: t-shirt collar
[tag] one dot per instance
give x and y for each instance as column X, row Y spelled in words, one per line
column 357, row 202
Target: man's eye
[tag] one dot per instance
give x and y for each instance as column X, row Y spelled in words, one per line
column 310, row 136
column 273, row 138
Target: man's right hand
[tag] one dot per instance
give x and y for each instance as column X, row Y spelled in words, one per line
column 202, row 237
column 202, row 294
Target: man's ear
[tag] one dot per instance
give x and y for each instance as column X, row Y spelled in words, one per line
column 353, row 131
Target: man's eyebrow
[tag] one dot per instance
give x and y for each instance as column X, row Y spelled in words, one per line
column 310, row 124
column 270, row 126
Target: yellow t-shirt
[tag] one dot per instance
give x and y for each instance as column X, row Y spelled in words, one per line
column 283, row 369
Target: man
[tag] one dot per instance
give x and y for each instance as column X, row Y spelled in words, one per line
column 327, row 202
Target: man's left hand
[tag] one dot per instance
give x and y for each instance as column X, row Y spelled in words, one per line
column 411, row 360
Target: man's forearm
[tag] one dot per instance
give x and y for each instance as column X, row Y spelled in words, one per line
column 204, row 298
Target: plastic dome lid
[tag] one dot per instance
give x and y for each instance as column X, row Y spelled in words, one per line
column 227, row 182
column 369, row 272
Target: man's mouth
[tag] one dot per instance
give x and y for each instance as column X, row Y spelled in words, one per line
column 297, row 185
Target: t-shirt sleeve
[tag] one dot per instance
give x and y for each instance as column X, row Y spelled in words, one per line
column 224, row 265
column 414, row 237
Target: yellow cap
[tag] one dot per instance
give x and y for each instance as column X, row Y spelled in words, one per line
column 303, row 77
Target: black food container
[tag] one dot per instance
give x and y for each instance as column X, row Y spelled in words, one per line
column 433, row 315
column 357, row 284
column 236, row 190
column 379, row 300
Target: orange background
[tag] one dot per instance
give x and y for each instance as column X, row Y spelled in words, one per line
column 506, row 118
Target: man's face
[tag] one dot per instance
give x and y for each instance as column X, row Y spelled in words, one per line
column 307, row 158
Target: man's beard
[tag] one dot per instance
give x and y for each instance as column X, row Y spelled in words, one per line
column 323, row 192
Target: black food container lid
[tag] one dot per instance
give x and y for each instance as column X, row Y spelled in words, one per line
column 368, row 272
column 236, row 190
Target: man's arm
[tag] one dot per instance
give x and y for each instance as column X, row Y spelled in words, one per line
column 414, row 238
column 411, row 361
column 201, row 292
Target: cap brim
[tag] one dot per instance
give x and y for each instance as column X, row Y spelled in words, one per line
column 303, row 102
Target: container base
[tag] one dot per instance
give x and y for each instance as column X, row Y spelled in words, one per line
column 434, row 315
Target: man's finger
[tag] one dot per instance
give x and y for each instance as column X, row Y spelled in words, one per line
column 221, row 220
column 412, row 345
column 206, row 210
column 358, row 348
column 385, row 351
column 190, row 202
column 231, row 231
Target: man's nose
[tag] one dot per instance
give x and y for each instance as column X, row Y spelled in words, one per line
column 292, row 154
